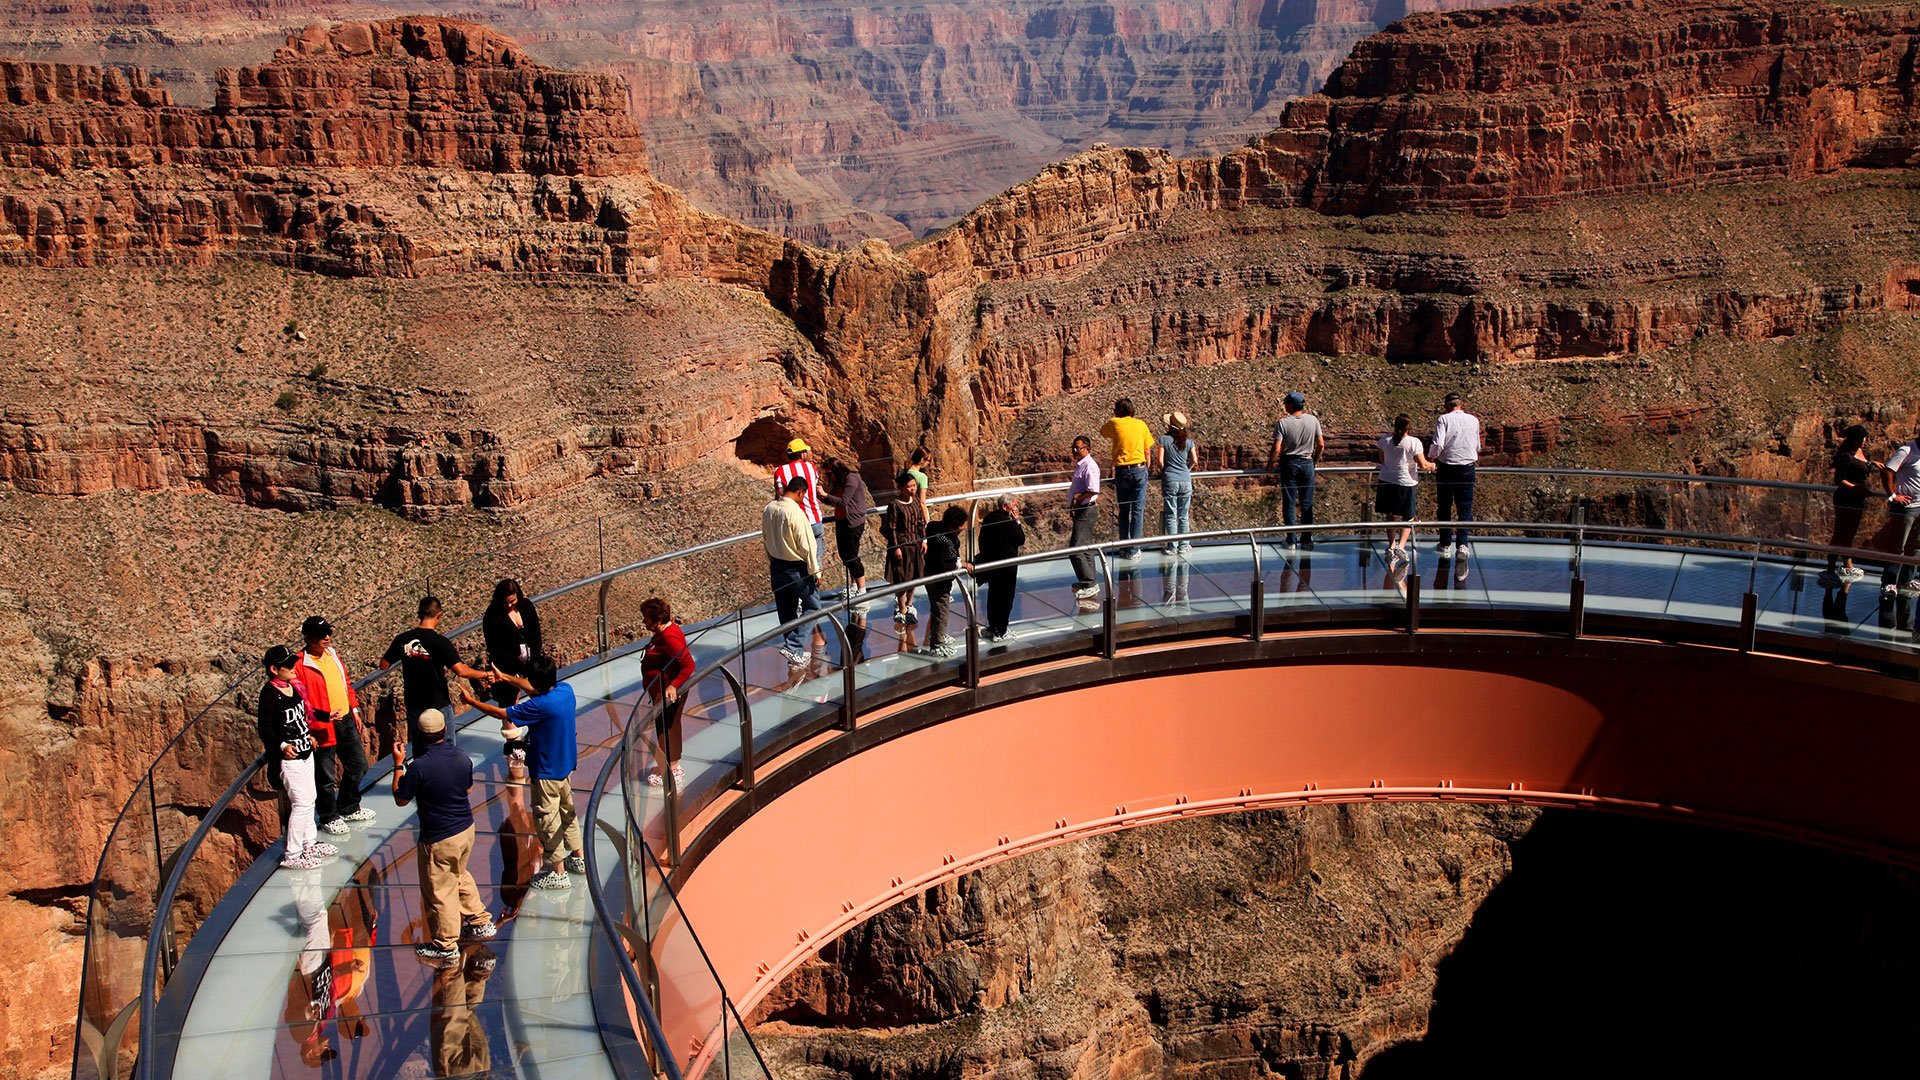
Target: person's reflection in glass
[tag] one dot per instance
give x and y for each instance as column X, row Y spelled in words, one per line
column 1397, row 571
column 857, row 634
column 1176, row 577
column 456, row 1037
column 1833, row 605
column 1296, row 576
column 310, row 989
column 520, row 852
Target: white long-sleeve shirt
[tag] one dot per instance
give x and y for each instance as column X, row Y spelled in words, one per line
column 788, row 535
column 1456, row 438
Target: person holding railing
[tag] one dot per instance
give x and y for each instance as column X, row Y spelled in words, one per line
column 664, row 669
column 281, row 717
column 1901, row 474
column 1083, row 493
column 1402, row 460
column 1001, row 538
column 1298, row 443
column 1173, row 456
column 1456, row 448
column 441, row 778
column 905, row 527
column 1852, row 474
column 333, row 714
column 1131, row 439
column 847, row 495
column 943, row 557
column 793, row 561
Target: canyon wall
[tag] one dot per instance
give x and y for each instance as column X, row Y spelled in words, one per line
column 399, row 274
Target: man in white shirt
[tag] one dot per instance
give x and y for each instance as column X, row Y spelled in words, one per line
column 1455, row 449
column 1082, row 494
column 1902, row 476
column 793, row 560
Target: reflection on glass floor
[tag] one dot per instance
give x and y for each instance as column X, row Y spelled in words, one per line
column 317, row 976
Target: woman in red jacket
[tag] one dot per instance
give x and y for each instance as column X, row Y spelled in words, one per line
column 664, row 670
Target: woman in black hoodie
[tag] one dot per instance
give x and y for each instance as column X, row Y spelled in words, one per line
column 281, row 719
column 511, row 628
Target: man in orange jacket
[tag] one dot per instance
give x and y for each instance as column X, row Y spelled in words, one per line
column 333, row 714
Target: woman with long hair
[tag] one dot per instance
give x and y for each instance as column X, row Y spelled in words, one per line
column 1173, row 457
column 511, row 629
column 664, row 670
column 1402, row 459
column 905, row 527
column 847, row 494
column 1853, row 472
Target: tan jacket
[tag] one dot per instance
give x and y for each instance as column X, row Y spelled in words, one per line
column 788, row 534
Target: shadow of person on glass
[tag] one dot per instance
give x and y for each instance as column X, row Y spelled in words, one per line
column 1833, row 607
column 456, row 1038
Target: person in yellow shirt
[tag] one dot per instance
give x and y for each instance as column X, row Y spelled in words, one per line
column 1131, row 439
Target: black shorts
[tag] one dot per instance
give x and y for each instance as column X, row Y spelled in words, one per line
column 1395, row 500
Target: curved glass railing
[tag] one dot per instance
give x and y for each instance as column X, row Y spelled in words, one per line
column 158, row 877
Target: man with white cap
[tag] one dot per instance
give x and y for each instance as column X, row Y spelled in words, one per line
column 440, row 777
column 798, row 464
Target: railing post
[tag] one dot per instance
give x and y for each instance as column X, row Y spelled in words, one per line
column 601, row 632
column 1749, row 620
column 1109, row 608
column 1413, row 603
column 162, row 920
column 1257, row 609
column 846, row 671
column 740, row 705
column 971, row 679
column 670, row 806
column 1577, row 607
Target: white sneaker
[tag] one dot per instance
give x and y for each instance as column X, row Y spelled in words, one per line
column 362, row 814
column 305, row 860
column 1889, row 592
column 323, row 849
column 1444, row 551
column 1463, row 551
column 1086, row 592
column 1852, row 573
column 336, row 827
column 795, row 658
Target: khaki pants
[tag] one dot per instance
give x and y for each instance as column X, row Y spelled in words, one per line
column 554, row 819
column 447, row 889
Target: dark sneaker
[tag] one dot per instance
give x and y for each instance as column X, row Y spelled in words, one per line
column 479, row 931
column 577, row 864
column 435, row 955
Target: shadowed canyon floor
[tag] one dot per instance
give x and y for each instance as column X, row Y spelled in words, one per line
column 403, row 292
column 1370, row 941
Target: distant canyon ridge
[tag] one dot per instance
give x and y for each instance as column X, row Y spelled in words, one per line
column 830, row 122
column 381, row 293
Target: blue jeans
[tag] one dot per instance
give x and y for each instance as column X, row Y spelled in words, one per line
column 794, row 592
column 1130, row 494
column 1176, row 499
column 1454, row 494
column 1296, row 494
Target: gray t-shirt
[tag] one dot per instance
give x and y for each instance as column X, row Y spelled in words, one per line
column 1176, row 466
column 1297, row 434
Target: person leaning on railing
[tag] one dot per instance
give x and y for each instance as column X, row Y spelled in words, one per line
column 1852, row 479
column 1902, row 476
column 1131, row 440
column 1001, row 538
column 1173, row 456
column 943, row 557
column 664, row 669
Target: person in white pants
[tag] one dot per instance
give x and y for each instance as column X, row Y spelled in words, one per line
column 282, row 720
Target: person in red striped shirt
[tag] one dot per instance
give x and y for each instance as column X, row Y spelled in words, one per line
column 798, row 464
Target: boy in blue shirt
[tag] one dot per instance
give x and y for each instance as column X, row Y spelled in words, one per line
column 545, row 720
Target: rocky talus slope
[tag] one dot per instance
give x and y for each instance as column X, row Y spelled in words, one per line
column 400, row 292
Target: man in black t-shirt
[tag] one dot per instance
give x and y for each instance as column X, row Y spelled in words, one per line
column 425, row 656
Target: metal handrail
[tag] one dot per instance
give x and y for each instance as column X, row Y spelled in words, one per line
column 183, row 856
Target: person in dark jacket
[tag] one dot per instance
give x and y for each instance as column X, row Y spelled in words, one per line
column 664, row 670
column 847, row 494
column 511, row 628
column 441, row 778
column 943, row 556
column 281, row 719
column 1001, row 538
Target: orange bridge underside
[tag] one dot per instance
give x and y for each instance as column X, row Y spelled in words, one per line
column 1794, row 749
